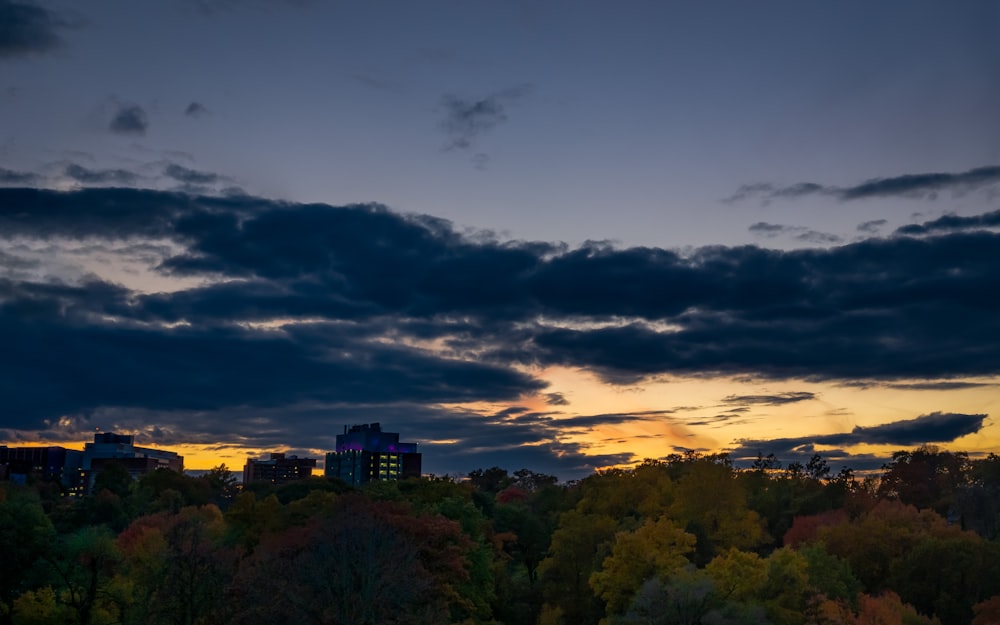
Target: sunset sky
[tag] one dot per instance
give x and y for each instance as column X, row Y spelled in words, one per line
column 558, row 235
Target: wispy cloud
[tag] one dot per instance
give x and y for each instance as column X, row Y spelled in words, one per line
column 907, row 185
column 799, row 233
column 195, row 109
column 467, row 119
column 871, row 226
column 777, row 399
column 86, row 175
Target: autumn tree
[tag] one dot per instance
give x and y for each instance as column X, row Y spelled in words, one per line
column 710, row 502
column 367, row 564
column 174, row 567
column 658, row 548
column 579, row 545
column 926, row 477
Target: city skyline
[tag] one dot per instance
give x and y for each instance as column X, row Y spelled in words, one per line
column 557, row 237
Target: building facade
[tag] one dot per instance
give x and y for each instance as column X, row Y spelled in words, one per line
column 367, row 454
column 53, row 464
column 278, row 469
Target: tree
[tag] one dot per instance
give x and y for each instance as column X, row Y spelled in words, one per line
column 367, row 564
column 222, row 485
column 84, row 563
column 492, row 480
column 657, row 548
column 987, row 612
column 26, row 536
column 174, row 567
column 687, row 598
column 710, row 499
column 925, row 478
column 946, row 576
column 888, row 609
column 579, row 546
column 878, row 538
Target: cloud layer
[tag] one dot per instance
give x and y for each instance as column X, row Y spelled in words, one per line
column 343, row 313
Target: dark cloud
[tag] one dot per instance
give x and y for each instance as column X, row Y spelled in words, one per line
column 941, row 385
column 907, row 185
column 951, row 223
column 556, row 399
column 27, row 28
column 876, row 310
column 778, row 399
column 467, row 119
column 100, row 176
column 937, row 427
column 129, row 119
column 196, row 109
column 17, row 178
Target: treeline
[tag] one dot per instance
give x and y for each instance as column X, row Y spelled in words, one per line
column 687, row 539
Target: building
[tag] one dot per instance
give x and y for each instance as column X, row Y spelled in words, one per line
column 53, row 464
column 110, row 448
column 366, row 454
column 76, row 470
column 278, row 469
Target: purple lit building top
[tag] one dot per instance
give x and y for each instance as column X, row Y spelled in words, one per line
column 370, row 437
column 365, row 453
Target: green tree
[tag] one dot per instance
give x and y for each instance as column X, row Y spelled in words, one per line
column 84, row 563
column 26, row 537
column 946, row 576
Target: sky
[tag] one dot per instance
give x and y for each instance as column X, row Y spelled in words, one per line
column 549, row 235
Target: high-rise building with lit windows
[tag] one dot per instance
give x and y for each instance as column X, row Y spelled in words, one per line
column 367, row 454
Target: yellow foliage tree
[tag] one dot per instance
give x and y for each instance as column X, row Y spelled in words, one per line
column 657, row 548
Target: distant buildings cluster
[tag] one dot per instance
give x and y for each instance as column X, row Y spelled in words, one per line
column 364, row 454
column 76, row 470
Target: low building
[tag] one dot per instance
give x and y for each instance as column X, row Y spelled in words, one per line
column 76, row 470
column 278, row 469
column 52, row 463
column 111, row 448
column 367, row 454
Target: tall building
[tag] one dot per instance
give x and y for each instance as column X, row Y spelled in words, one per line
column 366, row 454
column 278, row 469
